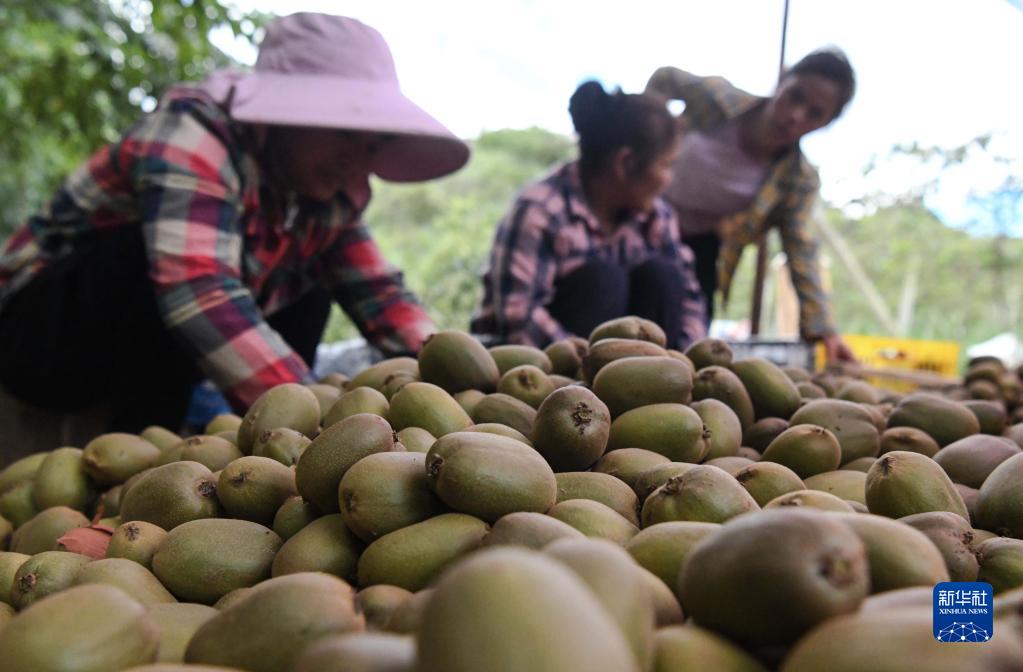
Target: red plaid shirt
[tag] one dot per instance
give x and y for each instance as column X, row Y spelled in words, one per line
column 224, row 247
column 549, row 233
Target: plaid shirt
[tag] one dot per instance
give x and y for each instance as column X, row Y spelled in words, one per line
column 785, row 200
column 549, row 233
column 224, row 247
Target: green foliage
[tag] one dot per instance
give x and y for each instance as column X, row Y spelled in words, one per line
column 967, row 290
column 964, row 292
column 78, row 73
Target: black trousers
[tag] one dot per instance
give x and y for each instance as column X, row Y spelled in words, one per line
column 600, row 291
column 705, row 248
column 87, row 331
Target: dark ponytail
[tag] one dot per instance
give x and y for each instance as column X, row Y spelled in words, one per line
column 606, row 122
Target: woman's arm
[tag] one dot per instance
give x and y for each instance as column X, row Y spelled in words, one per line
column 190, row 206
column 692, row 314
column 373, row 294
column 522, row 269
column 801, row 251
column 671, row 83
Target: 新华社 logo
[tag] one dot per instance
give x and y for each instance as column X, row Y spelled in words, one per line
column 963, row 612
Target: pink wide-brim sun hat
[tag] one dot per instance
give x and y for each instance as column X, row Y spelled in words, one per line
column 324, row 71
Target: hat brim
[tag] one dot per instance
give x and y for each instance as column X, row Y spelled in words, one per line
column 423, row 148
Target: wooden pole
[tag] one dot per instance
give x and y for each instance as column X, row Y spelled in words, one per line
column 758, row 284
column 761, row 273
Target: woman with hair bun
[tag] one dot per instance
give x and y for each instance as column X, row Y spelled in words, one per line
column 593, row 240
column 741, row 172
column 212, row 238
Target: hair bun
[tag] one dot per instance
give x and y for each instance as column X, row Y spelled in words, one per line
column 587, row 106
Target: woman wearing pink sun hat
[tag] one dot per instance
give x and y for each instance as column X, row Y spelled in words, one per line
column 211, row 238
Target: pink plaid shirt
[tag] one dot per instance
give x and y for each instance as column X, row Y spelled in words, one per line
column 549, row 233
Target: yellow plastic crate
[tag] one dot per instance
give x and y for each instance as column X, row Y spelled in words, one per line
column 940, row 358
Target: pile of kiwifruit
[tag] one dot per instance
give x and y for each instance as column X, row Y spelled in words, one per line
column 601, row 505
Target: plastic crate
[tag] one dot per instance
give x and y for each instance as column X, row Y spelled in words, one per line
column 940, row 358
column 799, row 354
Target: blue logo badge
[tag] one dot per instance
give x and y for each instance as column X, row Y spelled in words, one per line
column 963, row 612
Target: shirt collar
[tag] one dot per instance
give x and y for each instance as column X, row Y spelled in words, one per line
column 579, row 210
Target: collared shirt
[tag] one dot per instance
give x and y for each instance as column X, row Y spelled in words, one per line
column 549, row 233
column 785, row 199
column 224, row 247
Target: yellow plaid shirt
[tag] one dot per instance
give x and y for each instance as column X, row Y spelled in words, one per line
column 785, row 200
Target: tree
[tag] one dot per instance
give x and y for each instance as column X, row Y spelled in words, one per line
column 77, row 74
column 960, row 297
column 997, row 216
column 1002, row 210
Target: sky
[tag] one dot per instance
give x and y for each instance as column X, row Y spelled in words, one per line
column 934, row 72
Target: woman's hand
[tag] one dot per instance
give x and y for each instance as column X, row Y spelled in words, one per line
column 836, row 349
